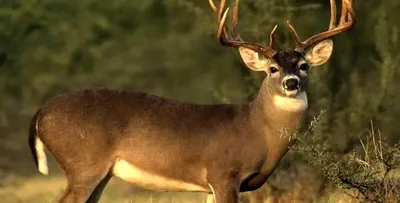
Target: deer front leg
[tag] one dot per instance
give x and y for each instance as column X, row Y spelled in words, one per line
column 210, row 198
column 223, row 194
column 224, row 191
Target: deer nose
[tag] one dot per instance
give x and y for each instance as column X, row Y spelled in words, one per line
column 291, row 84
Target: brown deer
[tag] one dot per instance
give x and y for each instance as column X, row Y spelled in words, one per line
column 159, row 144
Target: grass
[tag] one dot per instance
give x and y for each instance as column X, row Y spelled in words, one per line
column 48, row 189
column 20, row 182
column 326, row 178
column 36, row 188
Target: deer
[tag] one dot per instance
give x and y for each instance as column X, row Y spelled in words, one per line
column 167, row 145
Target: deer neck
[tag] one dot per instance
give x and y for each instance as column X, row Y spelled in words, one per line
column 277, row 116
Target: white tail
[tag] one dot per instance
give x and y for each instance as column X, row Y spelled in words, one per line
column 41, row 157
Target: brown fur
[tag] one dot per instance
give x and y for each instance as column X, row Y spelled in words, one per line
column 95, row 134
column 88, row 130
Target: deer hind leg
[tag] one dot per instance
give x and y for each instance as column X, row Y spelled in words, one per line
column 86, row 186
column 98, row 191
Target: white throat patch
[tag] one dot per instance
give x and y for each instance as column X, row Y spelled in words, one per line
column 298, row 103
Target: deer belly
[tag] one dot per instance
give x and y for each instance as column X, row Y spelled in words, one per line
column 148, row 180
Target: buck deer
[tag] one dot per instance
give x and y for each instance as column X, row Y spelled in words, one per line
column 159, row 144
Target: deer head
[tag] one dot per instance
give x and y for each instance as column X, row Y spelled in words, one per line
column 287, row 70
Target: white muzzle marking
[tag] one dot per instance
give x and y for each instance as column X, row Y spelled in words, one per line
column 291, row 93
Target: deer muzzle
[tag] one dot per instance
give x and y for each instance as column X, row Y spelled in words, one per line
column 291, row 85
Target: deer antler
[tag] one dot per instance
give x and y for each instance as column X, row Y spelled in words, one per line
column 233, row 39
column 347, row 21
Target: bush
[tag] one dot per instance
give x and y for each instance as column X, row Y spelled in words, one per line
column 369, row 173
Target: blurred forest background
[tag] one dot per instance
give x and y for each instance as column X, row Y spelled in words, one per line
column 169, row 48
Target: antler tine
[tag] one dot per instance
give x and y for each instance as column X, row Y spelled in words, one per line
column 214, row 8
column 233, row 39
column 235, row 16
column 272, row 37
column 297, row 42
column 347, row 21
column 222, row 29
column 221, row 10
column 344, row 9
column 332, row 23
column 221, row 17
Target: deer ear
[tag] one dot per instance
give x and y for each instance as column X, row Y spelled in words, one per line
column 320, row 53
column 254, row 60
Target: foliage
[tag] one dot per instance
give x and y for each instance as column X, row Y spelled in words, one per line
column 169, row 48
column 373, row 170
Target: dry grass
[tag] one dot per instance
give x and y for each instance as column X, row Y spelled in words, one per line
column 294, row 181
column 48, row 189
column 369, row 173
column 43, row 189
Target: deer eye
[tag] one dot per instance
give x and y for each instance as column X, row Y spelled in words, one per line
column 304, row 67
column 273, row 69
